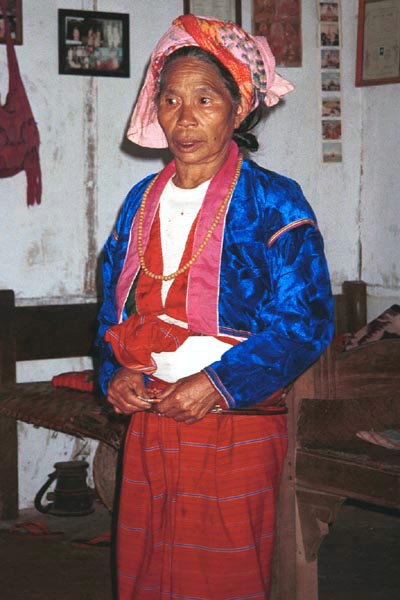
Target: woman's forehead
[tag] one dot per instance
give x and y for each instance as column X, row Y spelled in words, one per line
column 191, row 72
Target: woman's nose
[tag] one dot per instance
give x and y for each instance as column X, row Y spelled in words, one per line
column 186, row 115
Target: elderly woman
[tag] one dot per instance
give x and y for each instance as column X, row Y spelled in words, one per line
column 216, row 297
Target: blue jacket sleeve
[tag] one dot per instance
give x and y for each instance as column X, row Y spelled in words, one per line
column 108, row 313
column 297, row 322
column 113, row 257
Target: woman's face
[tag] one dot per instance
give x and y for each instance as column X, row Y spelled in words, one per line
column 197, row 114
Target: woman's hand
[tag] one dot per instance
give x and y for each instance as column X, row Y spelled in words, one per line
column 189, row 399
column 124, row 390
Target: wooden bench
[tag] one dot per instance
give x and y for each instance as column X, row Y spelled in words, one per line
column 342, row 393
column 29, row 333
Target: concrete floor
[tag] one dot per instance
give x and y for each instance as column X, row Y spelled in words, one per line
column 359, row 560
column 47, row 568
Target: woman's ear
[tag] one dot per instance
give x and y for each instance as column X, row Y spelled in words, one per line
column 242, row 110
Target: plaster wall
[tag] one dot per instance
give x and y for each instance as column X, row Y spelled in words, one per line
column 379, row 200
column 49, row 253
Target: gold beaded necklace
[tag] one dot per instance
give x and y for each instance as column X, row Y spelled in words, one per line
column 203, row 244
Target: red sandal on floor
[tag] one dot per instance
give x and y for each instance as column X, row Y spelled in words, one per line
column 34, row 529
column 102, row 541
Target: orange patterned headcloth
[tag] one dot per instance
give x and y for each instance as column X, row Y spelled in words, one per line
column 209, row 36
column 248, row 58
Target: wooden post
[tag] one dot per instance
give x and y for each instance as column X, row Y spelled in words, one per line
column 356, row 293
column 8, row 427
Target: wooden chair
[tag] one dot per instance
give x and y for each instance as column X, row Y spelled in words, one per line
column 342, row 393
column 32, row 333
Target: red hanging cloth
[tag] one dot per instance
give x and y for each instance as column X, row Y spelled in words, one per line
column 19, row 136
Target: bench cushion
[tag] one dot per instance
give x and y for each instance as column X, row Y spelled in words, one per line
column 69, row 411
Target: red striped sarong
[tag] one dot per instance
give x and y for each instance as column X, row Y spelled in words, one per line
column 197, row 508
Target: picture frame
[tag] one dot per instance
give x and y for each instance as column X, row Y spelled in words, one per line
column 329, row 11
column 330, row 81
column 14, row 14
column 330, row 35
column 93, row 43
column 332, row 152
column 331, row 107
column 226, row 10
column 280, row 23
column 331, row 129
column 330, row 58
column 378, row 48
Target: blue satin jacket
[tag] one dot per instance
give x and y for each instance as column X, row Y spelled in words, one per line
column 274, row 287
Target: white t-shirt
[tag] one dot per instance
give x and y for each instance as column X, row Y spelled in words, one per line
column 178, row 209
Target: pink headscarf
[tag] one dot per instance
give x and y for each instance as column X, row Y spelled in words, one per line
column 248, row 58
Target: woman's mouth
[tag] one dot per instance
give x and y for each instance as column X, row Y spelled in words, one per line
column 187, row 145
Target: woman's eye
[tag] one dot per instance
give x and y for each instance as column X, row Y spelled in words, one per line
column 205, row 100
column 170, row 101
